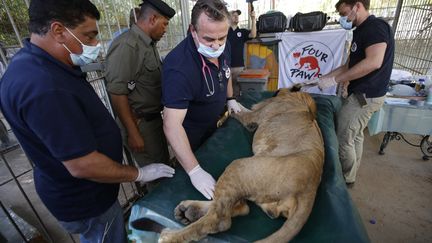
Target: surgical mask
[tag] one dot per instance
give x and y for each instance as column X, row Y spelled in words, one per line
column 89, row 54
column 344, row 23
column 208, row 51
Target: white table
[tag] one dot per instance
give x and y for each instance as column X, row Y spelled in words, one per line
column 395, row 118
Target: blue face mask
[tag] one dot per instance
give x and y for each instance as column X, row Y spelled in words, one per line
column 343, row 21
column 89, row 54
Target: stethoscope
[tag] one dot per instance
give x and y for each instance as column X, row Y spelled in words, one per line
column 206, row 69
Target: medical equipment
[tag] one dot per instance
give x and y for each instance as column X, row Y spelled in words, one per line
column 205, row 69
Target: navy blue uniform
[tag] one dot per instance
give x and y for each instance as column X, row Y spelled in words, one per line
column 184, row 86
column 372, row 31
column 57, row 116
column 237, row 38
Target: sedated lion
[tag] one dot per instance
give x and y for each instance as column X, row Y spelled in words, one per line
column 282, row 176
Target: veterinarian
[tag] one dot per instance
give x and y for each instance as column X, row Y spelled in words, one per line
column 133, row 73
column 196, row 85
column 368, row 73
column 237, row 38
column 63, row 126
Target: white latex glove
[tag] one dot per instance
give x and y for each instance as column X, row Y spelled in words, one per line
column 327, row 82
column 154, row 171
column 202, row 181
column 233, row 106
column 312, row 81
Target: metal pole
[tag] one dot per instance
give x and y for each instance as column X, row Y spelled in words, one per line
column 13, row 222
column 44, row 228
column 184, row 6
column 3, row 57
column 106, row 17
column 397, row 15
column 13, row 24
column 116, row 17
column 27, row 3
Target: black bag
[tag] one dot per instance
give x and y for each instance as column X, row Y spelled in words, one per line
column 272, row 22
column 308, row 22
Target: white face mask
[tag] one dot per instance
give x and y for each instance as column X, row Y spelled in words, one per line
column 89, row 54
column 208, row 51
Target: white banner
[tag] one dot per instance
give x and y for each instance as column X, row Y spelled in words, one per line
column 308, row 55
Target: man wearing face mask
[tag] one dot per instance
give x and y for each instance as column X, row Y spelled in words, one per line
column 368, row 74
column 63, row 126
column 195, row 87
column 133, row 73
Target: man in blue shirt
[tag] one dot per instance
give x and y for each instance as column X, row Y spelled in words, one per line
column 237, row 38
column 63, row 126
column 367, row 74
column 195, row 85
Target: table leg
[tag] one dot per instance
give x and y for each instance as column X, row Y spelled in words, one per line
column 426, row 147
column 386, row 140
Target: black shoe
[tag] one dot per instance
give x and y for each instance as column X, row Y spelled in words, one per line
column 350, row 185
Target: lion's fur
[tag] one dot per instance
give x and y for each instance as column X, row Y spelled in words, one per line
column 281, row 177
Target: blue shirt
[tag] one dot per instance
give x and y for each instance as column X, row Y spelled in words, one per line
column 57, row 116
column 237, row 38
column 184, row 86
column 372, row 31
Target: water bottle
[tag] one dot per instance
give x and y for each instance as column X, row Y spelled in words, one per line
column 429, row 97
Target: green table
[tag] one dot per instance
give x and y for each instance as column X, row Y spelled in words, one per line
column 334, row 217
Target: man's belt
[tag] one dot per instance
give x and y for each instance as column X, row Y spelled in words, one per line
column 147, row 116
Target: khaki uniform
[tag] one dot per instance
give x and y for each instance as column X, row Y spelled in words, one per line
column 134, row 69
column 352, row 120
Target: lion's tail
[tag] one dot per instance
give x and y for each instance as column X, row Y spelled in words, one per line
column 294, row 223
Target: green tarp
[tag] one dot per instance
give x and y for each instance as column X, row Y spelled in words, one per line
column 334, row 217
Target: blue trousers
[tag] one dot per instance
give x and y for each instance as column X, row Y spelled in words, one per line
column 108, row 227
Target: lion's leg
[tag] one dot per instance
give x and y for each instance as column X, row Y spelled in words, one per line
column 281, row 207
column 240, row 208
column 217, row 219
column 228, row 201
column 190, row 211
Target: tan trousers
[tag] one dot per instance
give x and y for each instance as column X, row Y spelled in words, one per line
column 352, row 120
column 155, row 144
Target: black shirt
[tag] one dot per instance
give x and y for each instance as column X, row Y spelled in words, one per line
column 237, row 39
column 372, row 31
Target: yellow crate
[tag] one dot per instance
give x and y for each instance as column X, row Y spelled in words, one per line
column 265, row 52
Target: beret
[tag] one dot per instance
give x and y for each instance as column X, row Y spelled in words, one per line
column 161, row 7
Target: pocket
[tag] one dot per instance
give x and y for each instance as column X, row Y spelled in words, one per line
column 151, row 64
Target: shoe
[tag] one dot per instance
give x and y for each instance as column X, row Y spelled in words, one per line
column 350, row 185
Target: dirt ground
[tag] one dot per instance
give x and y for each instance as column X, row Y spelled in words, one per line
column 395, row 191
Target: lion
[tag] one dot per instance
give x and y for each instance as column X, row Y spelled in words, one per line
column 282, row 177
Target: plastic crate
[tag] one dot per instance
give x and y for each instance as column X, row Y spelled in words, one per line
column 253, row 80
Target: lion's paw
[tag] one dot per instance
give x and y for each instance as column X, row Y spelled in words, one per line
column 188, row 212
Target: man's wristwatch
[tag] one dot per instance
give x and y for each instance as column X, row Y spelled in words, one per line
column 231, row 98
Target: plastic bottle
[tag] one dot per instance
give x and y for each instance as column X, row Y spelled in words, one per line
column 429, row 97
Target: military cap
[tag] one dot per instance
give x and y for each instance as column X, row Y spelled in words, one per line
column 161, row 7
